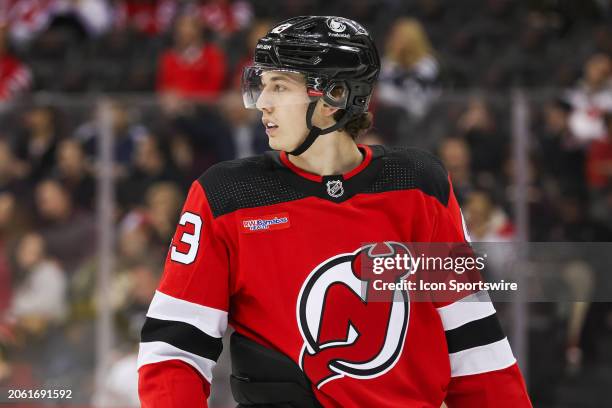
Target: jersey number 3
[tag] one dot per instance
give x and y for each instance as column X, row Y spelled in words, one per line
column 193, row 240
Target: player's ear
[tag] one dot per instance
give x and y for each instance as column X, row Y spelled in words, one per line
column 328, row 110
column 323, row 115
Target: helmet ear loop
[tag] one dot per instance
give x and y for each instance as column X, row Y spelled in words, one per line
column 312, row 135
column 316, row 131
column 310, row 113
column 311, row 107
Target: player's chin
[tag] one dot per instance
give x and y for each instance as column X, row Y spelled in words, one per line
column 276, row 144
column 283, row 142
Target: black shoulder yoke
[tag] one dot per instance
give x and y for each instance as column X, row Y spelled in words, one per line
column 245, row 183
column 409, row 168
column 263, row 180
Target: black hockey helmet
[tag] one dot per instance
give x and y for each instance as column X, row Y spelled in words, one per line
column 337, row 57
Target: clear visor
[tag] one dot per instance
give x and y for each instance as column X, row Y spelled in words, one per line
column 263, row 88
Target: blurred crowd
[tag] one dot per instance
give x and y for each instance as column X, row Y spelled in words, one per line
column 172, row 70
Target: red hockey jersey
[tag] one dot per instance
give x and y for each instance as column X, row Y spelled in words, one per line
column 267, row 247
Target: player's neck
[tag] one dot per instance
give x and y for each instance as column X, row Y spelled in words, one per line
column 332, row 153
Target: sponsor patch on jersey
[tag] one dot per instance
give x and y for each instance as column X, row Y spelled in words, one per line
column 265, row 223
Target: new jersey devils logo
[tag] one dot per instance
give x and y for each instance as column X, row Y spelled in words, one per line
column 345, row 331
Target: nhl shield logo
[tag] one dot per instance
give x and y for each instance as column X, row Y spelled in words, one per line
column 335, row 188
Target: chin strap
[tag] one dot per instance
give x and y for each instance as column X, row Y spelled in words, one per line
column 316, row 131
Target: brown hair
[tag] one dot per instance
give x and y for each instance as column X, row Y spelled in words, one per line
column 357, row 125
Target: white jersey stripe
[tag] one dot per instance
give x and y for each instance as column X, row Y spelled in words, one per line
column 207, row 319
column 466, row 234
column 157, row 351
column 482, row 359
column 470, row 308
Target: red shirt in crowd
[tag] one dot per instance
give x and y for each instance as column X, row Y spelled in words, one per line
column 599, row 157
column 148, row 17
column 226, row 17
column 15, row 77
column 195, row 72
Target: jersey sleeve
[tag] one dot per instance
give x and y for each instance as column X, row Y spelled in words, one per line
column 484, row 372
column 181, row 337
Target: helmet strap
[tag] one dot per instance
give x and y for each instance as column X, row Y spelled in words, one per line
column 316, row 131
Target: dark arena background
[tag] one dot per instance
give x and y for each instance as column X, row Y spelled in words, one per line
column 110, row 109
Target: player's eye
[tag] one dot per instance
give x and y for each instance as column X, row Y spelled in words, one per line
column 279, row 88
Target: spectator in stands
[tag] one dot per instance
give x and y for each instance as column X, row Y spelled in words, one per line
column 136, row 235
column 487, row 144
column 202, row 130
column 225, row 17
column 184, row 157
column 599, row 176
column 599, row 159
column 561, row 157
column 455, row 154
column 35, row 143
column 39, row 307
column 247, row 133
column 136, row 243
column 12, row 171
column 258, row 29
column 485, row 221
column 409, row 69
column 120, row 389
column 15, row 76
column 93, row 15
column 27, row 19
column 74, row 172
column 540, row 206
column 574, row 223
column 152, row 164
column 193, row 68
column 163, row 201
column 40, row 298
column 149, row 17
column 5, row 368
column 7, row 212
column 126, row 131
column 143, row 278
column 591, row 99
column 144, row 234
column 69, row 232
column 120, row 386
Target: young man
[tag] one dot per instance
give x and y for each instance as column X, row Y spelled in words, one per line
column 270, row 243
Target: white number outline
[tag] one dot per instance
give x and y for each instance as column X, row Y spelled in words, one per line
column 193, row 240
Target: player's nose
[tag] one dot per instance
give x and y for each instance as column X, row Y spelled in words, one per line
column 264, row 102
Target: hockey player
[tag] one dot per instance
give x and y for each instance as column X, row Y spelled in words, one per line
column 269, row 245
